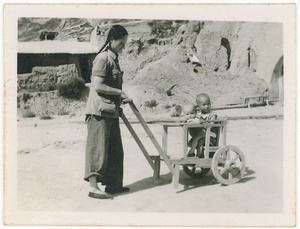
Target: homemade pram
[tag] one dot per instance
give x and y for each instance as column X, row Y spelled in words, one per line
column 227, row 162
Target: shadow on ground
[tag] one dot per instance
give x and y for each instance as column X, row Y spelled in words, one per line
column 209, row 179
column 187, row 182
column 247, row 176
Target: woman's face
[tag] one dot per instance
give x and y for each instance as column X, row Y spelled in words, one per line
column 117, row 46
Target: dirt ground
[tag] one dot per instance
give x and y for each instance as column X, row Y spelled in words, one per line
column 51, row 167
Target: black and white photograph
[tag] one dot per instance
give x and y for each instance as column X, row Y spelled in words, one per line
column 149, row 115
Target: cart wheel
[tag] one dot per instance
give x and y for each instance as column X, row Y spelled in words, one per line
column 228, row 165
column 194, row 171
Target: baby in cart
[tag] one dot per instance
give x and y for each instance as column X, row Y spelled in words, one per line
column 190, row 115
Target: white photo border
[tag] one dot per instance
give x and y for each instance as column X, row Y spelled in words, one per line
column 282, row 13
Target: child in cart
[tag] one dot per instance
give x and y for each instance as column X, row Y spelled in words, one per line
column 205, row 114
column 191, row 116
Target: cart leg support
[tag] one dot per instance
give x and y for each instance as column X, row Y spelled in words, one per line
column 156, row 160
column 176, row 175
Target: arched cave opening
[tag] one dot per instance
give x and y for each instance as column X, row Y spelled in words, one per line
column 226, row 44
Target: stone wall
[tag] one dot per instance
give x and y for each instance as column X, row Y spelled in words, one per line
column 45, row 78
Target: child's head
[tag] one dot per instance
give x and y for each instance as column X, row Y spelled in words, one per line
column 189, row 110
column 203, row 102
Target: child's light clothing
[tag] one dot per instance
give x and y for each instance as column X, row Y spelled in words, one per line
column 208, row 116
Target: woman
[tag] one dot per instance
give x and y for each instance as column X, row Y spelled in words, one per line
column 104, row 150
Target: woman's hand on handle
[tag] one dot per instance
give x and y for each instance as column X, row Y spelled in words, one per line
column 125, row 99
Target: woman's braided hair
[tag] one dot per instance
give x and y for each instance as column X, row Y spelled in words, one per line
column 116, row 32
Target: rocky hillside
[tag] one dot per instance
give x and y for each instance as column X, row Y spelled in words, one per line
column 158, row 56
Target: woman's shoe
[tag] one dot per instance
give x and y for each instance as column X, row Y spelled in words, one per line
column 116, row 190
column 100, row 196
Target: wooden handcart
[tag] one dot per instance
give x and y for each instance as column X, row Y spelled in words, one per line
column 227, row 162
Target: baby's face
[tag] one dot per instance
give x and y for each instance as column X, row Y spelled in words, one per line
column 204, row 104
column 190, row 114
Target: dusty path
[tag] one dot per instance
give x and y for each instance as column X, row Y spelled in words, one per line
column 51, row 162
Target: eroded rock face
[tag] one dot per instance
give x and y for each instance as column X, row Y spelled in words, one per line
column 184, row 33
column 230, row 56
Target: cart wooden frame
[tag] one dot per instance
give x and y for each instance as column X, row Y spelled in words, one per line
column 227, row 162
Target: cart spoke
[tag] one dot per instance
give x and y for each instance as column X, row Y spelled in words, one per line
column 234, row 171
column 230, row 176
column 221, row 160
column 228, row 154
column 223, row 156
column 194, row 169
column 223, row 171
column 234, row 159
